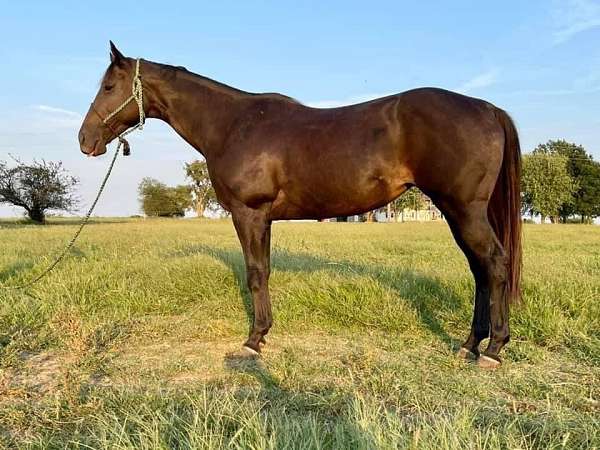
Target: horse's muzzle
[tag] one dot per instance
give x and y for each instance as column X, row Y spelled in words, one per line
column 91, row 147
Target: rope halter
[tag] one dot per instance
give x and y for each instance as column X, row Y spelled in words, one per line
column 137, row 95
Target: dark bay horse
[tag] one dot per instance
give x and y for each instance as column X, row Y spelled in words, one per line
column 270, row 158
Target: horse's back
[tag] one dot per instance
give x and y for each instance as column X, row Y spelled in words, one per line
column 308, row 161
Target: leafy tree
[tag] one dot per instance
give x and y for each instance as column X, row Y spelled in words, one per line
column 413, row 199
column 586, row 173
column 37, row 187
column 546, row 184
column 587, row 197
column 204, row 196
column 160, row 200
column 181, row 196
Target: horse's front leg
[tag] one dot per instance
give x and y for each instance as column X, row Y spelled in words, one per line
column 254, row 231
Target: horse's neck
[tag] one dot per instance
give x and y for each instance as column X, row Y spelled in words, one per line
column 199, row 109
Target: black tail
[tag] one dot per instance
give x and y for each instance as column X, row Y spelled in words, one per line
column 504, row 209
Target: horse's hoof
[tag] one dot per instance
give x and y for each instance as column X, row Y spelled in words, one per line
column 488, row 363
column 465, row 353
column 262, row 341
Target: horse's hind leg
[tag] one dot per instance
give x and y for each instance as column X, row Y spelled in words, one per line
column 488, row 262
column 480, row 326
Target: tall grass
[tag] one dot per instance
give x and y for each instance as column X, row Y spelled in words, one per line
column 131, row 342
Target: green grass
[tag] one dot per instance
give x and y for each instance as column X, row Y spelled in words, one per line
column 131, row 342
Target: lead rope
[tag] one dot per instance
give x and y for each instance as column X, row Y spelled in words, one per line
column 137, row 95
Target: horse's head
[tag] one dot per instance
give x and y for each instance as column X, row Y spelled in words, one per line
column 104, row 120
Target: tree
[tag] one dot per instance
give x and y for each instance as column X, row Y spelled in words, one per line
column 584, row 171
column 37, row 187
column 587, row 197
column 204, row 196
column 181, row 197
column 546, row 184
column 412, row 199
column 160, row 200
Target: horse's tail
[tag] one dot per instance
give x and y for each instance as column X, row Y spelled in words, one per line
column 504, row 209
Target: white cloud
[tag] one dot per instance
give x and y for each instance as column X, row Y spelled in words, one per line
column 482, row 80
column 575, row 16
column 58, row 111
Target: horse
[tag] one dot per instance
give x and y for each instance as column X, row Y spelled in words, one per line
column 272, row 158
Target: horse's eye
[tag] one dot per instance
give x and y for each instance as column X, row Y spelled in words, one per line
column 108, row 87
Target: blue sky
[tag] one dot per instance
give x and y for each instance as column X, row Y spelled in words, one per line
column 539, row 60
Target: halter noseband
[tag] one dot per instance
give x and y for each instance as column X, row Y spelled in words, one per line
column 137, row 95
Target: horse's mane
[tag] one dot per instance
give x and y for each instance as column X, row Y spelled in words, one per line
column 180, row 70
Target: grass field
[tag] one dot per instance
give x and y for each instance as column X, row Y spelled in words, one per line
column 130, row 343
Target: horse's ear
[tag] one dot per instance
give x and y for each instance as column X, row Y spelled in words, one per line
column 115, row 55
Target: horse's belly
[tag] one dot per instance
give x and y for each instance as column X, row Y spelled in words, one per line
column 332, row 199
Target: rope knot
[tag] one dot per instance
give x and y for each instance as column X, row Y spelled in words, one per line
column 126, row 146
